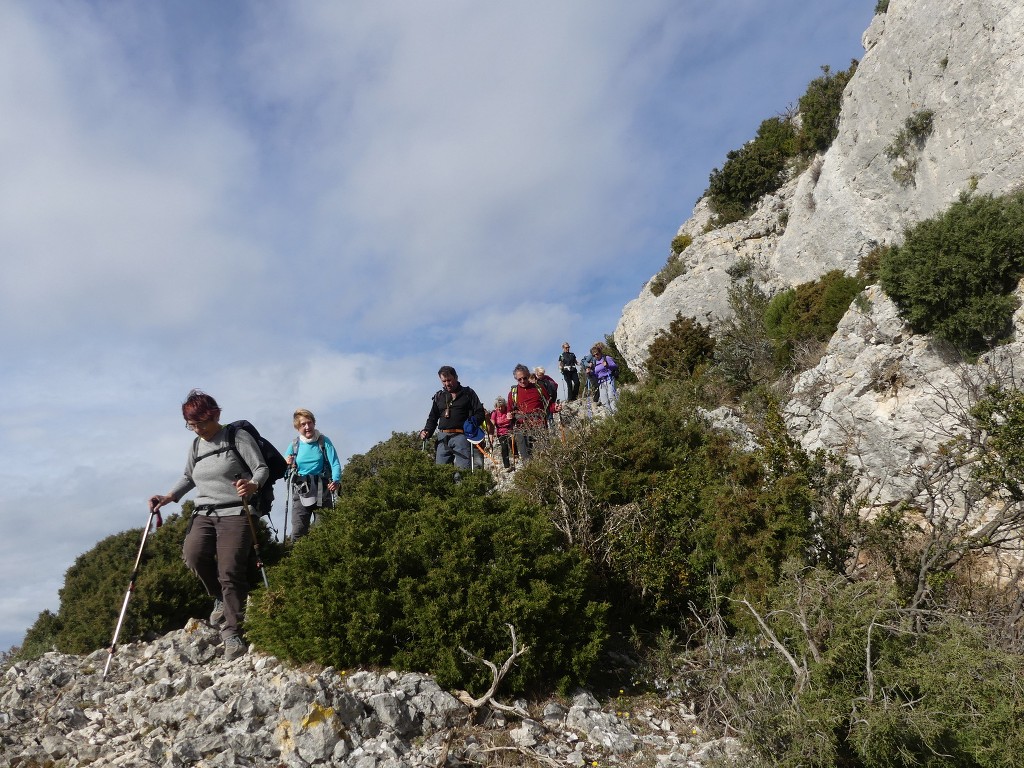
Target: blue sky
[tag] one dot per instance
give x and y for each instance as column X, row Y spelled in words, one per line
column 317, row 204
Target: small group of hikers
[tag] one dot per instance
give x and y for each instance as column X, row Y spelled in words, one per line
column 516, row 422
column 230, row 464
column 600, row 371
column 228, row 468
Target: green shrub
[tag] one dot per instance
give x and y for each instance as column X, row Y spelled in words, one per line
column 870, row 265
column 681, row 242
column 954, row 275
column 677, row 351
column 669, row 502
column 1000, row 416
column 819, row 109
column 882, row 6
column 673, row 268
column 760, row 166
column 744, row 353
column 751, row 172
column 741, row 268
column 907, row 143
column 40, row 638
column 410, row 566
column 809, row 312
column 863, row 689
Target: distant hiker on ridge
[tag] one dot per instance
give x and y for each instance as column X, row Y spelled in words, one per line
column 318, row 471
column 588, row 361
column 606, row 370
column 567, row 363
column 450, row 409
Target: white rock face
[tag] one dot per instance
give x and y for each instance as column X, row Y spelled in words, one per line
column 888, row 398
column 881, row 394
column 714, row 260
column 965, row 63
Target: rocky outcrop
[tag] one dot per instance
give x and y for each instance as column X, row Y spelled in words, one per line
column 175, row 702
column 963, row 62
column 881, row 395
column 888, row 399
column 712, row 263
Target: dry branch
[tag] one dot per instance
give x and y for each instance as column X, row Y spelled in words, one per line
column 497, row 676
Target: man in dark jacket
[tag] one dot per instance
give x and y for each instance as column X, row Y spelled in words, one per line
column 450, row 408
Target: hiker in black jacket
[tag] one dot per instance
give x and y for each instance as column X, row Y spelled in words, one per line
column 450, row 408
column 569, row 366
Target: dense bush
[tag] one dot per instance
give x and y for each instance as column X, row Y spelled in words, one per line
column 862, row 688
column 166, row 594
column 751, row 172
column 681, row 242
column 760, row 166
column 954, row 275
column 744, row 352
column 674, row 267
column 410, row 566
column 819, row 109
column 663, row 501
column 677, row 351
column 809, row 312
column 1000, row 415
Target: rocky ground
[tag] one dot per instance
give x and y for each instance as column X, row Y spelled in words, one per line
column 175, row 702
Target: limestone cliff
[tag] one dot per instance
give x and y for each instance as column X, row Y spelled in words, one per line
column 881, row 393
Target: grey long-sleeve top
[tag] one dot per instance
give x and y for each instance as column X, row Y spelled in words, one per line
column 214, row 476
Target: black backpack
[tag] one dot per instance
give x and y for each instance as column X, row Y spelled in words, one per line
column 275, row 463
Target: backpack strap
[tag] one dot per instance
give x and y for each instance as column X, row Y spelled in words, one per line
column 322, row 443
column 232, row 430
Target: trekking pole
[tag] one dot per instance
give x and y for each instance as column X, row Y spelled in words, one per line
column 561, row 427
column 485, row 453
column 255, row 541
column 288, row 506
column 131, row 585
column 512, row 440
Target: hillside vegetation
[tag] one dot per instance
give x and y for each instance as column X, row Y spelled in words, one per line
column 743, row 580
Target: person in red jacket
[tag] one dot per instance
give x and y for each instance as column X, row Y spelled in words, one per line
column 530, row 405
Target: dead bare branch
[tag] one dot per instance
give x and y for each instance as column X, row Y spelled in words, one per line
column 497, row 676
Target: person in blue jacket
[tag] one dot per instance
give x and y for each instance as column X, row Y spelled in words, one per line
column 318, row 472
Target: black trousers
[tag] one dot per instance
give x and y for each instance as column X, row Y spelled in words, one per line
column 572, row 383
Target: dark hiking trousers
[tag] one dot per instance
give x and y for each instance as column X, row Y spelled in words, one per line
column 217, row 550
column 572, row 383
column 303, row 517
column 503, row 441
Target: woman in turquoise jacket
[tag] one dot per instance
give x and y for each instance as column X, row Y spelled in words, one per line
column 317, row 472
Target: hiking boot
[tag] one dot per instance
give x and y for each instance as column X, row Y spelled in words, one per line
column 234, row 647
column 217, row 617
